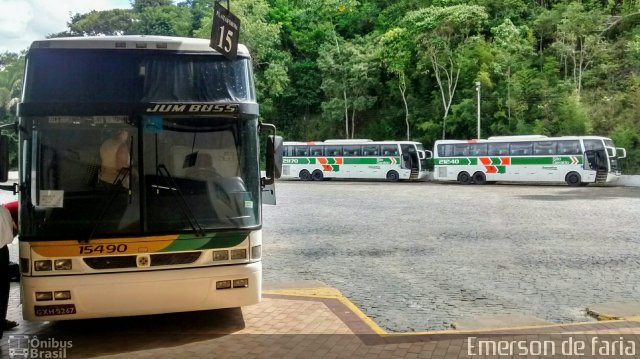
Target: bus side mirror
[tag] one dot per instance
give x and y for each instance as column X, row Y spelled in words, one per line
column 274, row 158
column 428, row 154
column 4, row 158
column 621, row 150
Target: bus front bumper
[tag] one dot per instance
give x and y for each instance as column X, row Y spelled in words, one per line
column 141, row 293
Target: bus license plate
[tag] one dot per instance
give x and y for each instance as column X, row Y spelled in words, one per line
column 61, row 309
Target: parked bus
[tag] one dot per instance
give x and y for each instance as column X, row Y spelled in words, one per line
column 139, row 182
column 352, row 159
column 576, row 160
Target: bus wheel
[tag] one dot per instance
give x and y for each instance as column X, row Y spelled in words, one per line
column 317, row 175
column 305, row 175
column 479, row 178
column 464, row 177
column 573, row 179
column 393, row 176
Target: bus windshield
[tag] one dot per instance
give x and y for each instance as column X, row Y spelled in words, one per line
column 92, row 76
column 141, row 175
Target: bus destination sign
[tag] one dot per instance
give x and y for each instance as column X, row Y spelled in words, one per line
column 225, row 32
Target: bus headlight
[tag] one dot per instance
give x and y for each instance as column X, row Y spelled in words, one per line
column 62, row 264
column 256, row 252
column 43, row 296
column 220, row 255
column 239, row 254
column 62, row 295
column 241, row 283
column 41, row 266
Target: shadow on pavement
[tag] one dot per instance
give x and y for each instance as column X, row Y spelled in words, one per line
column 96, row 337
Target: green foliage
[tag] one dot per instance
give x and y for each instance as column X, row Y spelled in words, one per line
column 380, row 69
column 11, row 72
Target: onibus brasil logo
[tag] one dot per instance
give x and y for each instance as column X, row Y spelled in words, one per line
column 30, row 346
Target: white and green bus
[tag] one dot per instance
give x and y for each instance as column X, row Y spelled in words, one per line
column 576, row 160
column 355, row 159
column 139, row 178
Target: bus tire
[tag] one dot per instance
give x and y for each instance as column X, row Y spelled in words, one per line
column 317, row 175
column 464, row 177
column 479, row 178
column 305, row 175
column 393, row 176
column 573, row 179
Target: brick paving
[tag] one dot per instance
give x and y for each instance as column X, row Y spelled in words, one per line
column 320, row 324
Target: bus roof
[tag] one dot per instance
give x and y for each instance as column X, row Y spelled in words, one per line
column 132, row 42
column 348, row 142
column 523, row 139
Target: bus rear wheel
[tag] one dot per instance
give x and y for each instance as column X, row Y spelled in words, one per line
column 305, row 175
column 464, row 177
column 479, row 178
column 393, row 176
column 573, row 179
column 317, row 175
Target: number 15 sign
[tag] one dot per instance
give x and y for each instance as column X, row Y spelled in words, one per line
column 225, row 32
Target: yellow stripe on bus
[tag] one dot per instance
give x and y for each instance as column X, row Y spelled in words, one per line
column 101, row 247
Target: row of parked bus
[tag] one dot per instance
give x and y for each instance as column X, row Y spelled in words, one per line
column 575, row 160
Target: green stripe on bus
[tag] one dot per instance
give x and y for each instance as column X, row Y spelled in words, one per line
column 299, row 161
column 369, row 160
column 187, row 242
column 548, row 160
column 460, row 161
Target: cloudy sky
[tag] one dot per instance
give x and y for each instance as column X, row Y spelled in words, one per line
column 23, row 21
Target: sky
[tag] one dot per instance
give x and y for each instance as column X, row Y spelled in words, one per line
column 23, row 21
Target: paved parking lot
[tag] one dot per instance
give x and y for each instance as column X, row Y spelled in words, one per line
column 421, row 256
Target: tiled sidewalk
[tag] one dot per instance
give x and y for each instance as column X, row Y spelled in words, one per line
column 297, row 323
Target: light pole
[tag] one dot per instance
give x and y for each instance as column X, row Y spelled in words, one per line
column 478, row 91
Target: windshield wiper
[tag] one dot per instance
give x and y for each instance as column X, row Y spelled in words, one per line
column 115, row 190
column 163, row 172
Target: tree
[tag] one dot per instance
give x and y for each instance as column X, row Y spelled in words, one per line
column 512, row 48
column 438, row 32
column 396, row 55
column 350, row 74
column 166, row 20
column 11, row 72
column 107, row 22
column 579, row 42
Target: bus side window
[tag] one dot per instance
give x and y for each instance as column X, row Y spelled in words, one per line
column 316, row 151
column 478, row 149
column 544, row 148
column 333, row 151
column 351, row 150
column 370, row 150
column 498, row 149
column 521, row 148
column 302, row 151
column 570, row 147
column 461, row 150
column 389, row 150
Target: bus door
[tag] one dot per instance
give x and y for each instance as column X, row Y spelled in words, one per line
column 410, row 157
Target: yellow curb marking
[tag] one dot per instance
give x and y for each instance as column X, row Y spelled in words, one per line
column 332, row 293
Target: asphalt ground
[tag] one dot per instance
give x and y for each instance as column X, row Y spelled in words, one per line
column 422, row 256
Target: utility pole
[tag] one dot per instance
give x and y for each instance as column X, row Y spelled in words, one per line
column 478, row 90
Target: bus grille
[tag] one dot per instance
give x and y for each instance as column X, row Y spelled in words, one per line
column 166, row 259
column 162, row 259
column 111, row 262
